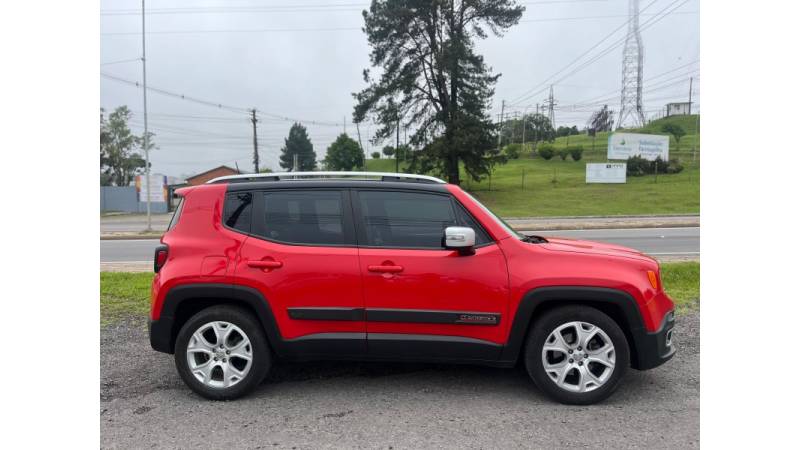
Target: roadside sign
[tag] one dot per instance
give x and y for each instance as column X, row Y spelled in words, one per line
column 648, row 146
column 606, row 172
column 158, row 188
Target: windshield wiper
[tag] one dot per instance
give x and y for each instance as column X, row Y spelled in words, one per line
column 534, row 239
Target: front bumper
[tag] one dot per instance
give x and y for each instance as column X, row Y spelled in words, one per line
column 654, row 349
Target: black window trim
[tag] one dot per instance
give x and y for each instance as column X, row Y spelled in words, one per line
column 361, row 234
column 258, row 228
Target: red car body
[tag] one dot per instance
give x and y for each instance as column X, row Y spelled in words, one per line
column 363, row 292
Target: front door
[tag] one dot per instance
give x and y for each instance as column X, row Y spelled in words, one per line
column 423, row 301
column 302, row 256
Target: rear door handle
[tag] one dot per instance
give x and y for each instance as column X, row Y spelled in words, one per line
column 265, row 264
column 385, row 269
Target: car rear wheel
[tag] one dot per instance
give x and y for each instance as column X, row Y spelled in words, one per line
column 221, row 353
column 576, row 355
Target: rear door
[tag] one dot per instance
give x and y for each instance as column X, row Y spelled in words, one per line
column 302, row 257
column 424, row 301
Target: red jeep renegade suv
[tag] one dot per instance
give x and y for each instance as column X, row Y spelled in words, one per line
column 376, row 266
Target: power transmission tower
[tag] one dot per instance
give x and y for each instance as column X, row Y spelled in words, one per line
column 551, row 103
column 500, row 132
column 255, row 139
column 632, row 65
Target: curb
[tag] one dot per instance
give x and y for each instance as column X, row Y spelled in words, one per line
column 129, row 237
column 604, row 226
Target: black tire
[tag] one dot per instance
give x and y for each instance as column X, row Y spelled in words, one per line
column 261, row 355
column 548, row 323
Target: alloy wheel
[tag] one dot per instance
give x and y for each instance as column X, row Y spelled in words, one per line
column 219, row 354
column 578, row 356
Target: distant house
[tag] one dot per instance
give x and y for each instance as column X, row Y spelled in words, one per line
column 201, row 178
column 678, row 109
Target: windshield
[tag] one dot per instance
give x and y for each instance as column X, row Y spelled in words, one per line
column 497, row 218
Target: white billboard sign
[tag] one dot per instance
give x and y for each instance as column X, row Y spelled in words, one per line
column 606, row 172
column 648, row 146
column 158, row 188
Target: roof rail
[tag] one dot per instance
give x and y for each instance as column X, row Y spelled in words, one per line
column 300, row 176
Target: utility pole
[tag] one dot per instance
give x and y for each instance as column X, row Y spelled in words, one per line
column 146, row 134
column 397, row 146
column 358, row 131
column 551, row 103
column 500, row 132
column 295, row 162
column 690, row 95
column 255, row 139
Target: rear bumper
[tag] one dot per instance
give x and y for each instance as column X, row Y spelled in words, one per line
column 654, row 349
column 161, row 335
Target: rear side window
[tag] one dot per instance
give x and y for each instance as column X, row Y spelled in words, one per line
column 176, row 215
column 238, row 211
column 405, row 219
column 312, row 217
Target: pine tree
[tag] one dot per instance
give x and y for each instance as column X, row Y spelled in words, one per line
column 433, row 80
column 298, row 144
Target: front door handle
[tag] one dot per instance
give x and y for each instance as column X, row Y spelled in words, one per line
column 385, row 269
column 265, row 264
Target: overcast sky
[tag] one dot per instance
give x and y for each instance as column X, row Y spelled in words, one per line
column 302, row 60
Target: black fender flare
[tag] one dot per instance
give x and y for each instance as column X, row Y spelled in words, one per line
column 163, row 331
column 543, row 297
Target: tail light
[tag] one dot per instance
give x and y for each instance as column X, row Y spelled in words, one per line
column 160, row 257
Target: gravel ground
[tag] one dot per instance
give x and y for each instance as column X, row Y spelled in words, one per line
column 144, row 404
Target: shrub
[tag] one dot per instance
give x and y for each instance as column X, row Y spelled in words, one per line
column 547, row 151
column 375, row 155
column 638, row 166
column 674, row 166
column 576, row 152
column 563, row 153
column 512, row 151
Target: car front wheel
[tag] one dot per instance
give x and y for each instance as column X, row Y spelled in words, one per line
column 576, row 355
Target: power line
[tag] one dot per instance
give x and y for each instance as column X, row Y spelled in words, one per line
column 652, row 21
column 325, row 29
column 175, row 95
column 294, row 7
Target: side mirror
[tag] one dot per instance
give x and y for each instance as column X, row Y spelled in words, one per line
column 461, row 239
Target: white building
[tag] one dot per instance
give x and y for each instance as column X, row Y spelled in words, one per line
column 678, row 109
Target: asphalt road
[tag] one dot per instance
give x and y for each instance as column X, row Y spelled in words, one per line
column 144, row 404
column 659, row 242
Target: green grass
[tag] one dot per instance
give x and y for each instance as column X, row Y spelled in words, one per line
column 682, row 283
column 125, row 294
column 558, row 188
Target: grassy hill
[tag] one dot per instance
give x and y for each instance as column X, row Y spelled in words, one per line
column 558, row 188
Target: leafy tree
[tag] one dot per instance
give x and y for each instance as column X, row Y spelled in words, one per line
column 513, row 150
column 403, row 152
column 298, row 144
column 388, row 151
column 375, row 155
column 537, row 127
column 344, row 154
column 432, row 76
column 120, row 162
column 676, row 131
column 264, row 170
column 567, row 131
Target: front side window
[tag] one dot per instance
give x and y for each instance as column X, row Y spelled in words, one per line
column 405, row 219
column 304, row 217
